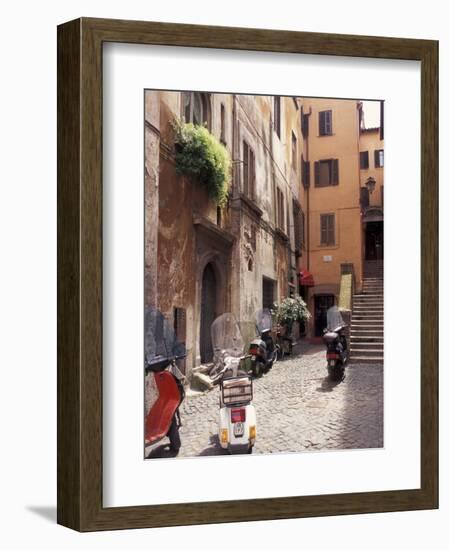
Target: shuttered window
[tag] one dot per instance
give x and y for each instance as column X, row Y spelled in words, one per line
column 268, row 293
column 327, row 222
column 364, row 160
column 249, row 171
column 364, row 198
column 326, row 172
column 305, row 172
column 222, row 124
column 379, row 158
column 277, row 115
column 304, row 123
column 280, row 210
column 325, row 123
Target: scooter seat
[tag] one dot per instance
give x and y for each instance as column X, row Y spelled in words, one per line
column 158, row 420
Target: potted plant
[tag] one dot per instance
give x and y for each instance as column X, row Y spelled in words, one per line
column 201, row 156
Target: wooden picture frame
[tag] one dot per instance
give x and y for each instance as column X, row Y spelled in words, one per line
column 80, row 274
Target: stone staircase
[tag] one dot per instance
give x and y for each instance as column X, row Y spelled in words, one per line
column 367, row 324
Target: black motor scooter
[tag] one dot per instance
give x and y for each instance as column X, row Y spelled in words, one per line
column 337, row 348
column 263, row 350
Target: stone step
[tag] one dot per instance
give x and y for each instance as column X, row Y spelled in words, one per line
column 365, row 359
column 366, row 333
column 367, row 352
column 370, row 296
column 367, row 346
column 367, row 317
column 357, row 339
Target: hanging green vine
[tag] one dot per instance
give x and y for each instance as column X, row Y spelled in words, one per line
column 201, row 156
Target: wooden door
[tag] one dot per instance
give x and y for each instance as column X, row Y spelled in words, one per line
column 208, row 312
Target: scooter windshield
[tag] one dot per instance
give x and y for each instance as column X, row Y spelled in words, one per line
column 226, row 335
column 263, row 320
column 334, row 318
column 160, row 338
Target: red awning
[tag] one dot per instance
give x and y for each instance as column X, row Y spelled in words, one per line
column 306, row 278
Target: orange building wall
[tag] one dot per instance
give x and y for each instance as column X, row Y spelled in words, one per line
column 342, row 199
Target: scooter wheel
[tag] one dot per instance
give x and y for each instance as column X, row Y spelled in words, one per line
column 173, row 436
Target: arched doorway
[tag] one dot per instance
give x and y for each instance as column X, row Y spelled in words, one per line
column 208, row 312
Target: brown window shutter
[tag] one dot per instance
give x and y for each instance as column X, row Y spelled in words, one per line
column 322, row 123
column 317, row 173
column 331, row 229
column 323, row 229
column 328, row 123
column 334, row 171
column 376, row 159
column 307, row 169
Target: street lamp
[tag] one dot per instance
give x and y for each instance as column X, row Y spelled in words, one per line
column 370, row 184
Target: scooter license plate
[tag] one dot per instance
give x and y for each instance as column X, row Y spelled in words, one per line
column 239, row 428
column 332, row 362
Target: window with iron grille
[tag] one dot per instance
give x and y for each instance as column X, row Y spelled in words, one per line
column 326, row 172
column 364, row 160
column 277, row 115
column 327, row 222
column 325, row 123
column 249, row 171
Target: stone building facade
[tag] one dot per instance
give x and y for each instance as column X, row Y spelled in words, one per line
column 202, row 260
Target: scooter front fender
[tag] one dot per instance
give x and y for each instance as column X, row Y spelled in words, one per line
column 158, row 420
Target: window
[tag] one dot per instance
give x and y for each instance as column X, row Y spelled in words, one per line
column 222, row 124
column 280, row 213
column 325, row 123
column 294, row 151
column 379, row 158
column 299, row 226
column 196, row 108
column 304, row 123
column 326, row 172
column 327, row 222
column 364, row 160
column 268, row 293
column 277, row 115
column 305, row 172
column 249, row 171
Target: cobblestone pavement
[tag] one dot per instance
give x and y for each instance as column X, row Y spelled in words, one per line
column 297, row 408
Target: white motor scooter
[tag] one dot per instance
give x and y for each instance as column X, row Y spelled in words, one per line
column 237, row 423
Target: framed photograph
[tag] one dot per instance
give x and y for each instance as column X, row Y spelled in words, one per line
column 247, row 274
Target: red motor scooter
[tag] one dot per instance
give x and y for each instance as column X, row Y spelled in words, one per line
column 162, row 350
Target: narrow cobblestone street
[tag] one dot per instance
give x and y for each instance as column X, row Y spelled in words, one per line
column 298, row 409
